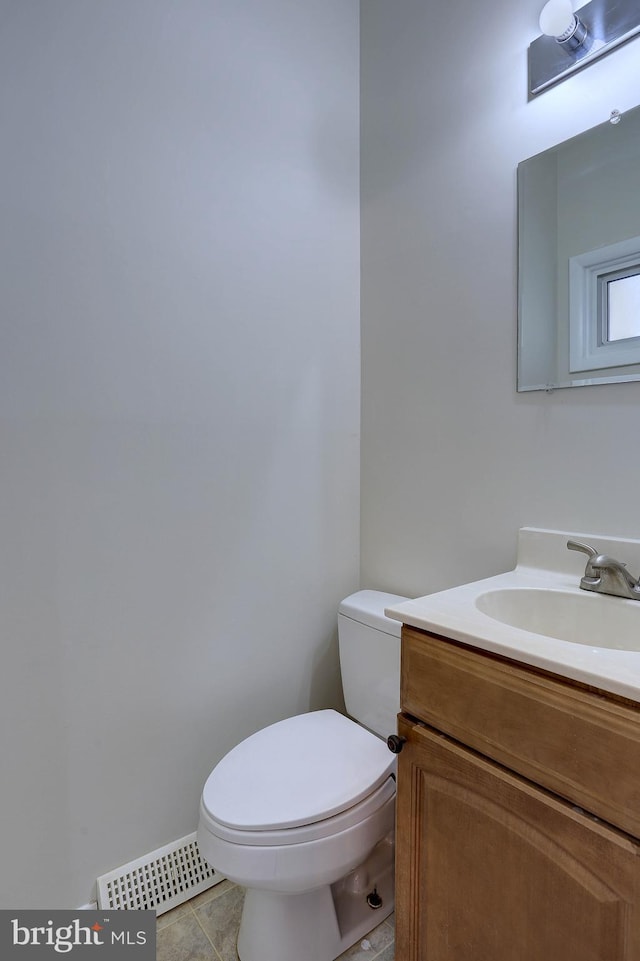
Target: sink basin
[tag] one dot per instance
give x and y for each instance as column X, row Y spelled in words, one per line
column 538, row 615
column 580, row 617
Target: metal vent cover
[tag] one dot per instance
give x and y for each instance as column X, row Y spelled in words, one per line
column 160, row 880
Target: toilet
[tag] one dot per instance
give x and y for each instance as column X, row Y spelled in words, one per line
column 302, row 813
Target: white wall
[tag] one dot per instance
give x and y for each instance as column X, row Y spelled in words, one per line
column 179, row 407
column 454, row 461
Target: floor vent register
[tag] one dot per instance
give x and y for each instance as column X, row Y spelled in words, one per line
column 160, row 880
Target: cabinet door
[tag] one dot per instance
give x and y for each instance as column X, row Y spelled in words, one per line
column 491, row 868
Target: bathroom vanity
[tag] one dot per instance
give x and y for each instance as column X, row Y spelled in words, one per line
column 518, row 805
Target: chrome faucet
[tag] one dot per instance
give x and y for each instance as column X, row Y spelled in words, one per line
column 605, row 575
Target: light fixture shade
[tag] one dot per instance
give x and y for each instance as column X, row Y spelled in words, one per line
column 557, row 19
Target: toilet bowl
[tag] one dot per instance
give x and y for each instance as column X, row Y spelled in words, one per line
column 302, row 813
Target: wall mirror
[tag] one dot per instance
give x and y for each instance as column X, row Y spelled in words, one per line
column 579, row 260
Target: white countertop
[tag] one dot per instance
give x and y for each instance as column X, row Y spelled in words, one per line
column 544, row 563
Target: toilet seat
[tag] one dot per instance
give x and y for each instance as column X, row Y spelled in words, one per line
column 298, row 772
column 306, row 832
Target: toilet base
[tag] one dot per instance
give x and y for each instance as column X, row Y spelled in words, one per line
column 318, row 925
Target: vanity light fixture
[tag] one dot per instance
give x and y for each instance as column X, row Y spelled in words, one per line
column 571, row 40
column 558, row 20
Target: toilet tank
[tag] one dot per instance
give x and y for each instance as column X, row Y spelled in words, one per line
column 369, row 645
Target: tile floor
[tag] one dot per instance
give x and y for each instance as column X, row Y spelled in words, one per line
column 205, row 929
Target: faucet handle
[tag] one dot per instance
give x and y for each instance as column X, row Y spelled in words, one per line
column 603, row 559
column 590, row 570
column 584, row 548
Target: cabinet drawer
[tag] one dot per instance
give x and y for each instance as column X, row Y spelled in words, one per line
column 583, row 745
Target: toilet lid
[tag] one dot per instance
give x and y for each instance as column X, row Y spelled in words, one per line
column 296, row 772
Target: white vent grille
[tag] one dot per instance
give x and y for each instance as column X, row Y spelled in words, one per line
column 160, row 880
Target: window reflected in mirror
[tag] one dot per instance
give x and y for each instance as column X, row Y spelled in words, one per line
column 623, row 307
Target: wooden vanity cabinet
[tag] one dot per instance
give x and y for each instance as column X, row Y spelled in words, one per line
column 518, row 810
